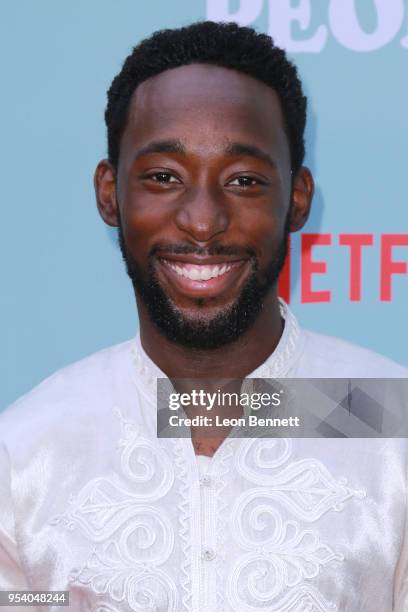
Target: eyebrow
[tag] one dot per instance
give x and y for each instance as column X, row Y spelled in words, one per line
column 234, row 149
column 162, row 146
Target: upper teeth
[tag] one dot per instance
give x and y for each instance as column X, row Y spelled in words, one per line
column 200, row 272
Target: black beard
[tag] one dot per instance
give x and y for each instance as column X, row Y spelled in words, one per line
column 224, row 327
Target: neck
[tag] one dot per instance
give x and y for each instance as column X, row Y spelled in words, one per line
column 235, row 360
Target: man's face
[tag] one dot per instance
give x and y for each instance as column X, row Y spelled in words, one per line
column 203, row 191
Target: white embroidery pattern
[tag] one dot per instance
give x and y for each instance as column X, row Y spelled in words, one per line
column 134, row 539
column 225, row 455
column 277, row 557
column 105, row 607
column 281, row 556
column 184, row 511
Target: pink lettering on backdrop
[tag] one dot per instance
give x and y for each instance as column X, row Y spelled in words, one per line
column 389, row 265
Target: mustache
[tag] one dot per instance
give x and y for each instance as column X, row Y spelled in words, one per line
column 214, row 249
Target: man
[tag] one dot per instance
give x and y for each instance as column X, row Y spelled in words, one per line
column 204, row 181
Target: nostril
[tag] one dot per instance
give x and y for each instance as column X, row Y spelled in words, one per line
column 202, row 222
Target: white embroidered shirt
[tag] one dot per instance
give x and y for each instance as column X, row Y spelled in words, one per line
column 92, row 502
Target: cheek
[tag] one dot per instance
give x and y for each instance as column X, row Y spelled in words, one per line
column 262, row 229
column 146, row 222
column 262, row 220
column 143, row 213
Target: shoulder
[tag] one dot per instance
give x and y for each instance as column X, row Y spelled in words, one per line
column 78, row 389
column 326, row 356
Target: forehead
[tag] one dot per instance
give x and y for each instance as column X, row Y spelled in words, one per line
column 205, row 106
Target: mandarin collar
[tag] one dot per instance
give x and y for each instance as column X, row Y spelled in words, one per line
column 277, row 365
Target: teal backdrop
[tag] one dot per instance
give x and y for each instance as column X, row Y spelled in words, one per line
column 64, row 292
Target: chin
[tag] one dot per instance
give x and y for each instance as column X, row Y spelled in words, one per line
column 203, row 328
column 203, row 313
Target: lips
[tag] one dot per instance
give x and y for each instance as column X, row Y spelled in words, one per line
column 203, row 278
column 199, row 272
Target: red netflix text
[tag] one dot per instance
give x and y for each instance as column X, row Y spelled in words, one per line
column 389, row 265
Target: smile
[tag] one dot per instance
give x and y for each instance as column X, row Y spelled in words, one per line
column 199, row 272
column 204, row 279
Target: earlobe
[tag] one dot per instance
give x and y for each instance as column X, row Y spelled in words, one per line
column 302, row 195
column 105, row 191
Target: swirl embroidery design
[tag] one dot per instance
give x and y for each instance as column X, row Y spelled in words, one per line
column 282, row 557
column 133, row 539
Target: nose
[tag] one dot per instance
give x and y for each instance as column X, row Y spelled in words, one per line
column 202, row 214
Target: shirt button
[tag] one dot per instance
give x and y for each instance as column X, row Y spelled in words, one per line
column 205, row 481
column 208, row 554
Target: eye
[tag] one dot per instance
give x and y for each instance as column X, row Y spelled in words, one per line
column 163, row 177
column 244, row 181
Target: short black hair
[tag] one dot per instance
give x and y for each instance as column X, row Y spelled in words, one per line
column 222, row 44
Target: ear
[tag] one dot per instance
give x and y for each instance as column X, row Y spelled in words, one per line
column 302, row 195
column 105, row 191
